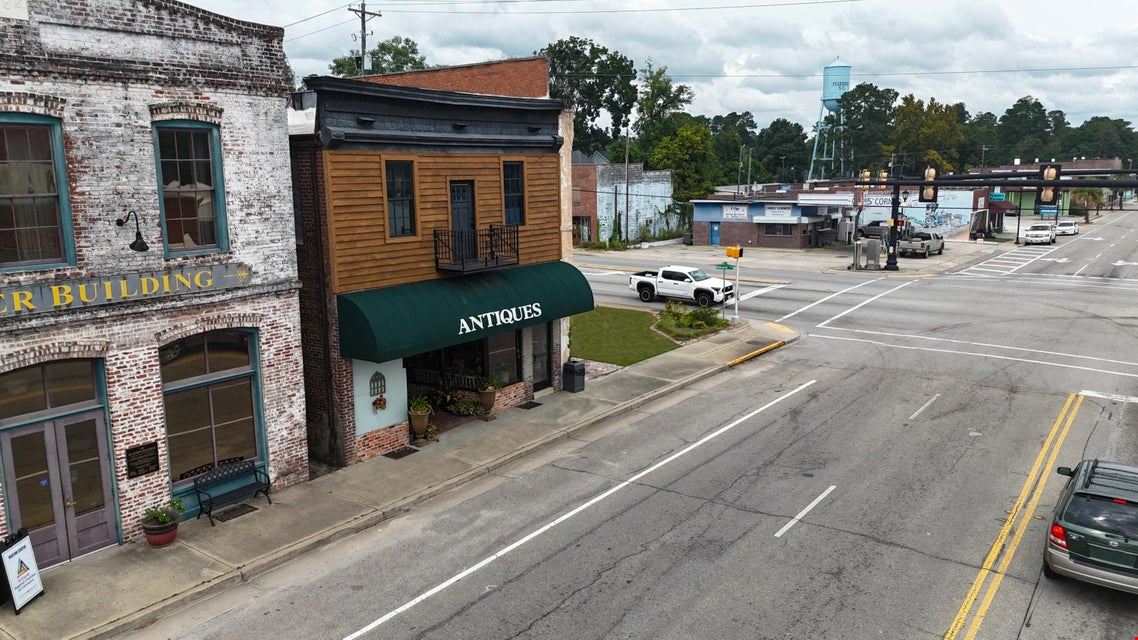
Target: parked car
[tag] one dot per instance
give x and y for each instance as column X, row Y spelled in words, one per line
column 922, row 243
column 1067, row 228
column 1040, row 233
column 875, row 229
column 681, row 283
column 1094, row 531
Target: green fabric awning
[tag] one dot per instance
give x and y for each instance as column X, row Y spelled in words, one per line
column 395, row 322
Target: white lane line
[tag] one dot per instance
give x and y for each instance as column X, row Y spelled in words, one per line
column 832, row 295
column 923, row 407
column 989, row 270
column 862, row 304
column 1081, row 269
column 565, row 516
column 601, row 273
column 985, row 344
column 802, row 514
column 759, row 292
column 1109, row 396
column 979, row 355
column 1098, row 256
column 1113, row 245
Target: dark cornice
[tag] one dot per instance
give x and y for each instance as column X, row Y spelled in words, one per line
column 432, row 96
column 334, row 137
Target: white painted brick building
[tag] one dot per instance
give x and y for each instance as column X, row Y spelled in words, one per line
column 191, row 347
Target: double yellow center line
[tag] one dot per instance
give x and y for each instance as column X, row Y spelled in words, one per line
column 1036, row 478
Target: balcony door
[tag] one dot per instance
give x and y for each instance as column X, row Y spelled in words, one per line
column 462, row 220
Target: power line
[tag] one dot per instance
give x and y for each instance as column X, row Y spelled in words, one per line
column 322, row 13
column 871, row 73
column 793, row 3
column 338, row 24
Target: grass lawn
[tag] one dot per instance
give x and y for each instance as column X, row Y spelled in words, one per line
column 616, row 336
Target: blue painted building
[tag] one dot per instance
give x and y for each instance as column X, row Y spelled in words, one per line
column 784, row 221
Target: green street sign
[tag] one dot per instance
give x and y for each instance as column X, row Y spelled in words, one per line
column 723, row 266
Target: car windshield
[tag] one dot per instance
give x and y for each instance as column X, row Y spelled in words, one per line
column 922, row 236
column 1039, row 227
column 1103, row 514
column 698, row 275
column 1066, row 224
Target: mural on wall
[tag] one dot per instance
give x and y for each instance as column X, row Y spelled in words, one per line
column 949, row 215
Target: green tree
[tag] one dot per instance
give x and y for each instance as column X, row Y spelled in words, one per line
column 1026, row 118
column 868, row 111
column 390, row 56
column 927, row 134
column 1102, row 137
column 981, row 141
column 691, row 159
column 734, row 138
column 782, row 152
column 592, row 80
column 659, row 98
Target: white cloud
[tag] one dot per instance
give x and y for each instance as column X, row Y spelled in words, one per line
column 875, row 36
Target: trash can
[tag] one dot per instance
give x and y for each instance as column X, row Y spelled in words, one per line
column 573, row 376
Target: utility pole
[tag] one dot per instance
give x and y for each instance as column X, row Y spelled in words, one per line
column 983, row 154
column 615, row 215
column 627, row 212
column 739, row 175
column 750, row 156
column 364, row 15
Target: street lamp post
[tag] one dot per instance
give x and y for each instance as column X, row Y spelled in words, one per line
column 895, row 229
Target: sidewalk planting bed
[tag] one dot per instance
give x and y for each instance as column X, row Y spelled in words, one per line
column 682, row 323
column 617, row 336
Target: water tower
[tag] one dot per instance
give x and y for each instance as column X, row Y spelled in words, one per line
column 829, row 148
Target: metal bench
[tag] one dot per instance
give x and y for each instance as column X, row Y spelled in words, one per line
column 205, row 485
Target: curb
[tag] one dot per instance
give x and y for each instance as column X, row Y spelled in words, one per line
column 626, row 269
column 145, row 617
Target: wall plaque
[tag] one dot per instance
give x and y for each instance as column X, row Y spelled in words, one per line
column 142, row 460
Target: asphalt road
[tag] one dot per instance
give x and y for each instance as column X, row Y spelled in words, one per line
column 856, row 484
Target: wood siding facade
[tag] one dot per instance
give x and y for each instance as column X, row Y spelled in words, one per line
column 364, row 256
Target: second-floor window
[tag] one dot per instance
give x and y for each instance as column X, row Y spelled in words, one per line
column 400, row 198
column 189, row 170
column 31, row 212
column 513, row 185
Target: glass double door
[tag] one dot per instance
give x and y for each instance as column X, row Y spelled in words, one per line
column 58, row 486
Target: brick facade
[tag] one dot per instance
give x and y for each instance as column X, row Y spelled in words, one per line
column 108, row 70
column 747, row 234
column 518, row 77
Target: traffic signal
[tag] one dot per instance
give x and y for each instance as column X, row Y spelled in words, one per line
column 928, row 191
column 864, row 176
column 735, row 252
column 1049, row 195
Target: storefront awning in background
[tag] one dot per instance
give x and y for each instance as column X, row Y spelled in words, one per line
column 395, row 322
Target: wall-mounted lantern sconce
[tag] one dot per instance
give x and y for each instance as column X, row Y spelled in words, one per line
column 139, row 244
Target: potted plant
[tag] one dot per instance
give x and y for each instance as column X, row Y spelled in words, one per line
column 160, row 523
column 489, row 393
column 419, row 409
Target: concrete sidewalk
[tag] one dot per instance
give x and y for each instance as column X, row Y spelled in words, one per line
column 126, row 588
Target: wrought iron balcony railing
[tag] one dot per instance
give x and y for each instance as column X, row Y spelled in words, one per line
column 473, row 250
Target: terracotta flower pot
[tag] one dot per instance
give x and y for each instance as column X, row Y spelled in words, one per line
column 419, row 423
column 488, row 398
column 160, row 535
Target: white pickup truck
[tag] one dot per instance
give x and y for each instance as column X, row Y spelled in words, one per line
column 681, row 283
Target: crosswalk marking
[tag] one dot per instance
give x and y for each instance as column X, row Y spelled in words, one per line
column 1009, row 262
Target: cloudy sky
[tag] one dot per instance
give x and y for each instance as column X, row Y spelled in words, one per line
column 768, row 59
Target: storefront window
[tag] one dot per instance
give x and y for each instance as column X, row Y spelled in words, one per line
column 47, row 386
column 466, row 364
column 208, row 391
column 503, row 355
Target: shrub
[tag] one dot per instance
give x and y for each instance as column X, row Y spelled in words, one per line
column 465, row 408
